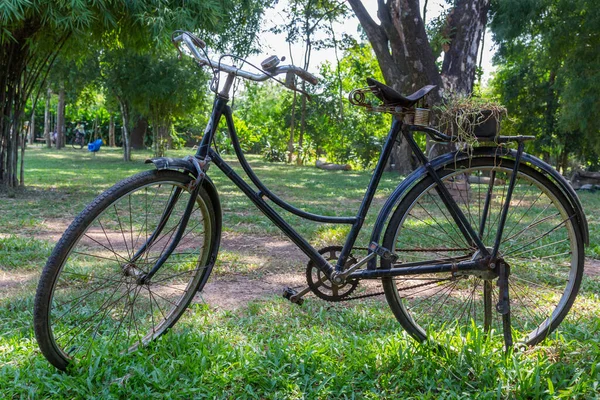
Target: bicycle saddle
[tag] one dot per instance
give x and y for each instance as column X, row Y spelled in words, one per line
column 390, row 97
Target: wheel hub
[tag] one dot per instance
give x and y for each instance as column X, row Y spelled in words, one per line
column 132, row 270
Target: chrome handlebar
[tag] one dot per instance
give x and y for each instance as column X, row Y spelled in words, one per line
column 192, row 43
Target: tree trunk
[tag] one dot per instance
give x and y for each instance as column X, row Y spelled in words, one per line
column 22, row 164
column 292, row 126
column 466, row 23
column 47, row 123
column 138, row 133
column 12, row 102
column 161, row 131
column 111, row 131
column 126, row 143
column 31, row 135
column 300, row 159
column 405, row 57
column 60, row 119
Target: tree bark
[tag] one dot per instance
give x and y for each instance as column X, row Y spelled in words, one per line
column 47, row 123
column 126, row 143
column 138, row 133
column 405, row 57
column 111, row 131
column 60, row 119
column 465, row 26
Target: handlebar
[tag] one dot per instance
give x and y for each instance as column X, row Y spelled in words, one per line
column 192, row 43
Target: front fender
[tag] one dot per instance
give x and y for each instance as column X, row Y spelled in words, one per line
column 447, row 159
column 185, row 165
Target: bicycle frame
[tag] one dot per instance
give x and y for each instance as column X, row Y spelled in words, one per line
column 205, row 152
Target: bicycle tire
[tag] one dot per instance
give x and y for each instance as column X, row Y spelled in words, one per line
column 541, row 242
column 77, row 143
column 88, row 297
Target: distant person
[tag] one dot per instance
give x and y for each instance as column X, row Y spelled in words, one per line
column 79, row 133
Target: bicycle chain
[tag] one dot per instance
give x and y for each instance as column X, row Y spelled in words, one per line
column 364, row 296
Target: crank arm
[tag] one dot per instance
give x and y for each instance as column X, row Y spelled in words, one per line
column 340, row 277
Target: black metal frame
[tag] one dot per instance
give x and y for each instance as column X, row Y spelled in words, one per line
column 207, row 154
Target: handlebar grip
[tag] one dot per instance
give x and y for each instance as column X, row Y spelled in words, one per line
column 307, row 76
column 195, row 39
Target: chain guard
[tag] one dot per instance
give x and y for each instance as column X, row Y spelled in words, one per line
column 323, row 287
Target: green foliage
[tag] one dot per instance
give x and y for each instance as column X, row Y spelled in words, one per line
column 334, row 129
column 262, row 117
column 548, row 75
column 340, row 131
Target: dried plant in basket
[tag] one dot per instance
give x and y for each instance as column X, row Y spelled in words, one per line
column 470, row 120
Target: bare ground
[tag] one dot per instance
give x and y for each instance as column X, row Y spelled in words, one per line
column 280, row 262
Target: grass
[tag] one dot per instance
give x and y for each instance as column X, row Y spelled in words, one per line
column 271, row 348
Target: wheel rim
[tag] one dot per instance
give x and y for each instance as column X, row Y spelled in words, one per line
column 539, row 244
column 96, row 301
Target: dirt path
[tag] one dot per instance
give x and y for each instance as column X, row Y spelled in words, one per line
column 281, row 264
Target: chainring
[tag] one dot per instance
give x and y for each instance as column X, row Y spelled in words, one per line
column 321, row 286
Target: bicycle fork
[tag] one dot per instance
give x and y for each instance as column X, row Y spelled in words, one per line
column 130, row 268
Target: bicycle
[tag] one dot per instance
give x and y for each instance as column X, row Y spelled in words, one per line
column 78, row 140
column 513, row 241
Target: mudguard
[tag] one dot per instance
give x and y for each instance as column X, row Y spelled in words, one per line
column 446, row 159
column 186, row 165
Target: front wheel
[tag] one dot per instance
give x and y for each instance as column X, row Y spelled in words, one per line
column 90, row 297
column 541, row 245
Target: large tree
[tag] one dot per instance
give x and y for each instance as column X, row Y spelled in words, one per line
column 406, row 57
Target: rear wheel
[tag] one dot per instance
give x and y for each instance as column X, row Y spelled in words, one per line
column 89, row 296
column 541, row 244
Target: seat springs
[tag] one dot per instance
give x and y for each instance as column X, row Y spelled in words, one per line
column 357, row 98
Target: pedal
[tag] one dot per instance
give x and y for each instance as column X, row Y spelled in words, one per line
column 292, row 295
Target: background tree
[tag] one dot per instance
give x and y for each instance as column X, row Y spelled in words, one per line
column 304, row 19
column 548, row 75
column 166, row 89
column 33, row 33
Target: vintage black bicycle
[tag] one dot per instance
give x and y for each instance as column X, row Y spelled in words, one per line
column 78, row 140
column 492, row 238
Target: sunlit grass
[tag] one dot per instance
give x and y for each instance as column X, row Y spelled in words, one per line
column 271, row 348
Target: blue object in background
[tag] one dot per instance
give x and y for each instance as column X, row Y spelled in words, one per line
column 95, row 145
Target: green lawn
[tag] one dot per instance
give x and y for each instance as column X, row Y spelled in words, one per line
column 269, row 348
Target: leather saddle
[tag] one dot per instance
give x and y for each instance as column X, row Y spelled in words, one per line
column 390, row 97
